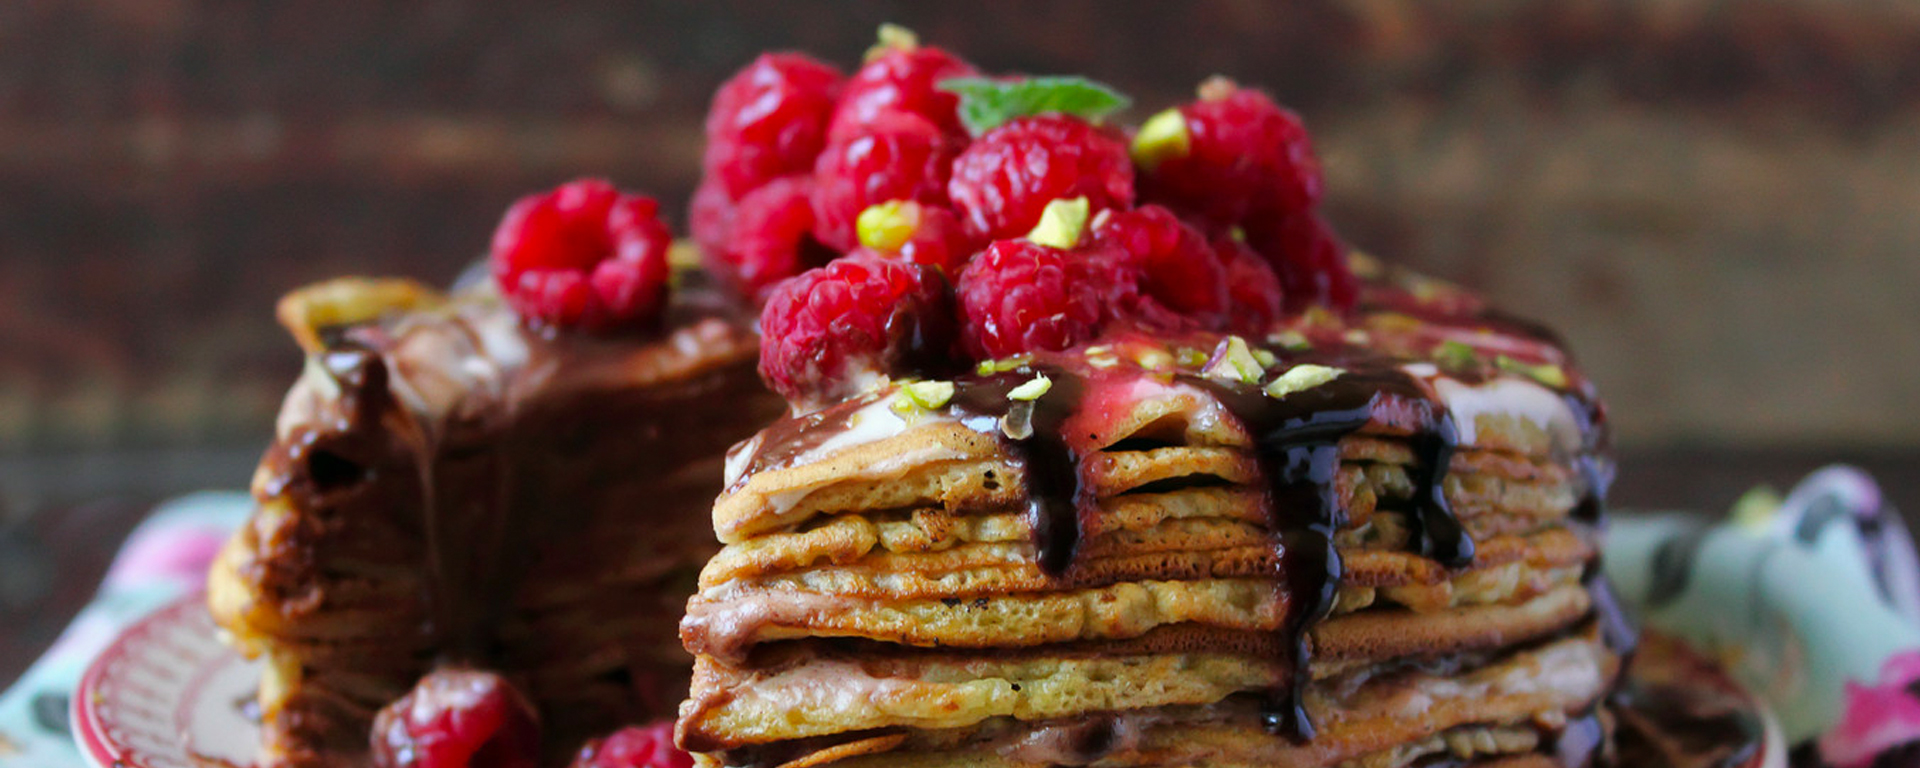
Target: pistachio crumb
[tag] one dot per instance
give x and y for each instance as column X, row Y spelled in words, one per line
column 1294, row 341
column 885, row 226
column 1265, row 356
column 1456, row 355
column 1032, row 389
column 928, row 394
column 1061, row 223
column 1545, row 373
column 1154, row 359
column 1300, row 378
column 1357, row 336
column 1162, row 137
column 1189, row 357
column 1234, row 361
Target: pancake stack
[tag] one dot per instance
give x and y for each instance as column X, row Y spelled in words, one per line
column 1362, row 541
column 448, row 488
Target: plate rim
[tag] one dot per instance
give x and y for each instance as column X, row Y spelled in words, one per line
column 89, row 733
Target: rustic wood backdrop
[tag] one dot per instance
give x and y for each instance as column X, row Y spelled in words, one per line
column 1718, row 202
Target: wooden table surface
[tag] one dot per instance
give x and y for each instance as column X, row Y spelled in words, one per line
column 50, row 561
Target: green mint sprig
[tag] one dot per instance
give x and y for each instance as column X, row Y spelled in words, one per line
column 986, row 103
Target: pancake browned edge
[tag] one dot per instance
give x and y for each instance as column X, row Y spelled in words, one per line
column 1361, row 541
column 446, row 486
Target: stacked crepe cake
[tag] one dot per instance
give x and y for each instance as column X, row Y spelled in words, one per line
column 1167, row 476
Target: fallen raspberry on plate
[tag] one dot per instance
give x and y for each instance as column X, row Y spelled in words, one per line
column 583, row 255
column 1004, row 179
column 1307, row 257
column 901, row 77
column 769, row 120
column 1181, row 269
column 770, row 238
column 1231, row 154
column 898, row 157
column 634, row 746
column 458, row 718
column 922, row 234
column 833, row 330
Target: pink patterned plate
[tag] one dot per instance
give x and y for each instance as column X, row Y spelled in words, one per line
column 168, row 694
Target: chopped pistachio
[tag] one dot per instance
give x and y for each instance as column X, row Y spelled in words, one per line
column 1357, row 336
column 1032, row 389
column 1189, row 357
column 1061, row 223
column 1238, row 233
column 1300, row 378
column 1002, row 365
column 893, row 37
column 1154, row 359
column 1162, row 137
column 928, row 394
column 886, row 226
column 1293, row 340
column 1098, row 349
column 1319, row 317
column 1456, row 355
column 1545, row 373
column 1265, row 356
column 1103, row 361
column 1364, row 265
column 1232, row 360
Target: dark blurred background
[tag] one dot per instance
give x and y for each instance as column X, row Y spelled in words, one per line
column 1717, row 202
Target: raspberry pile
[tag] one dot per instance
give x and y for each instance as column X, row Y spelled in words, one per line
column 855, row 208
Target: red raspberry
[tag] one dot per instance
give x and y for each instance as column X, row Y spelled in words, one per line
column 583, row 255
column 902, row 157
column 1018, row 296
column 1005, row 179
column 1244, row 154
column 1308, row 258
column 771, row 238
column 828, row 332
column 769, row 120
column 1182, row 271
column 922, row 234
column 710, row 217
column 458, row 718
column 903, row 80
column 1253, row 291
column 634, row 747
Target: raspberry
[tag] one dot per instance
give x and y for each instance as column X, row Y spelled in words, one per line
column 904, row 79
column 902, row 158
column 583, row 255
column 1254, row 295
column 1182, row 271
column 1002, row 181
column 1018, row 296
column 710, row 217
column 458, row 718
column 1307, row 257
column 634, row 747
column 828, row 332
column 1230, row 154
column 922, row 234
column 769, row 120
column 771, row 238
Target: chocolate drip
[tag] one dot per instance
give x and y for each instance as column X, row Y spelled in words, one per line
column 1057, row 493
column 1297, row 439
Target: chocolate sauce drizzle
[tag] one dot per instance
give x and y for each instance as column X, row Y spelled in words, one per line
column 1297, row 441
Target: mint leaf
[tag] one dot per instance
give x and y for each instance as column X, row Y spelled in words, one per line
column 987, row 103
